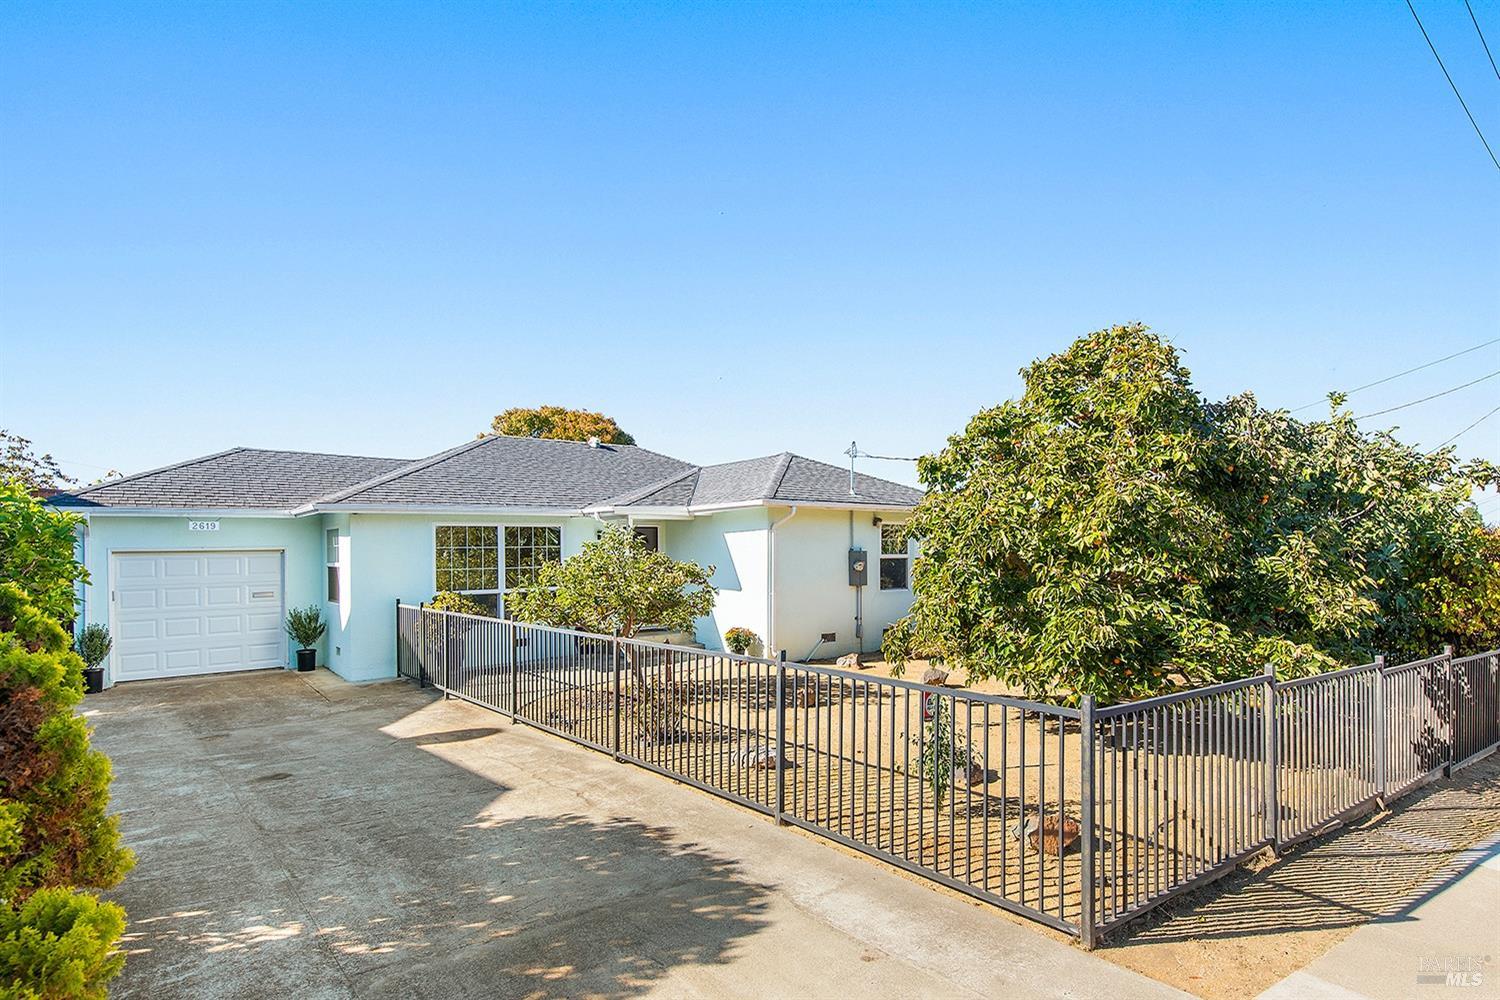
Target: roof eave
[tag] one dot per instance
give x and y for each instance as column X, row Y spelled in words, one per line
column 437, row 508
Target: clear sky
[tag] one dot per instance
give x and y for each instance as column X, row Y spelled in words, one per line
column 739, row 228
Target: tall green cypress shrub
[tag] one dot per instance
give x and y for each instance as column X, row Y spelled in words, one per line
column 55, row 833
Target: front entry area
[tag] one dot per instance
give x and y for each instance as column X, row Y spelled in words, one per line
column 196, row 612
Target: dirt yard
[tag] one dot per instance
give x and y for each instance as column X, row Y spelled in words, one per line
column 1238, row 936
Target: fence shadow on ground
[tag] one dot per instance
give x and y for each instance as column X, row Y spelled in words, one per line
column 1371, row 870
column 570, row 906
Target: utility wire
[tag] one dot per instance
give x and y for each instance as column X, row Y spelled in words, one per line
column 1390, row 378
column 1482, row 41
column 1393, row 409
column 887, row 458
column 1471, row 426
column 1456, row 94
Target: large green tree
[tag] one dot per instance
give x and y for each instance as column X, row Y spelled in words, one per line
column 559, row 423
column 37, row 548
column 1112, row 532
column 19, row 461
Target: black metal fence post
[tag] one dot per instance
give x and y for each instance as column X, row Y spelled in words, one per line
column 780, row 737
column 614, row 715
column 1382, row 734
column 1452, row 706
column 422, row 644
column 1272, row 753
column 1086, row 796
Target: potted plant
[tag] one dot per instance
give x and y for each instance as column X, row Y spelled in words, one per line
column 93, row 645
column 305, row 626
column 739, row 639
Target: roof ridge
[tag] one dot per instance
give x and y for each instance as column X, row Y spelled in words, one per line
column 602, row 444
column 326, row 454
column 622, row 499
column 151, row 472
column 416, row 465
column 783, row 463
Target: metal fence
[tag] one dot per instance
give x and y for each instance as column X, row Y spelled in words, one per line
column 1081, row 818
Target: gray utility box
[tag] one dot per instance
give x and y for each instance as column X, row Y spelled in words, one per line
column 859, row 568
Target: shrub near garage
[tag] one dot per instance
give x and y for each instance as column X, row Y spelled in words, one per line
column 54, row 831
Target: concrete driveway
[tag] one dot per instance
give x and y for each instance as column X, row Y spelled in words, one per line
column 302, row 837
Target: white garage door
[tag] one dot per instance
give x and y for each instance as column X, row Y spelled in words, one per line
column 179, row 613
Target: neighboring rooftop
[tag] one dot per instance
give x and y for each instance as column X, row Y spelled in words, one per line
column 491, row 472
column 240, row 478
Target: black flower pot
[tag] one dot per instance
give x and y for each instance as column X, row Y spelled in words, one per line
column 93, row 680
column 307, row 660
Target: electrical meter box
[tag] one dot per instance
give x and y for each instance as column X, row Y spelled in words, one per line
column 859, row 568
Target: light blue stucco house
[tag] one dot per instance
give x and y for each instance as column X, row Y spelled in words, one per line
column 193, row 566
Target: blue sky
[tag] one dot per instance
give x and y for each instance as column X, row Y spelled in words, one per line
column 738, row 228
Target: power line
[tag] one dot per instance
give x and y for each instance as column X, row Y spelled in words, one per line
column 1456, row 94
column 1482, row 41
column 1390, row 378
column 1445, row 392
column 1469, row 428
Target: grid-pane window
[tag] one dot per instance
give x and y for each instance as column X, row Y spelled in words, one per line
column 467, row 557
column 895, row 558
column 331, row 545
column 527, row 550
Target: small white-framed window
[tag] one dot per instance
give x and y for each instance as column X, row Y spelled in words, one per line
column 467, row 561
column 895, row 557
column 331, row 562
column 650, row 534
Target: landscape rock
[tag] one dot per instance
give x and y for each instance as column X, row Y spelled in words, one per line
column 761, row 758
column 848, row 661
column 935, row 676
column 1044, row 836
column 973, row 775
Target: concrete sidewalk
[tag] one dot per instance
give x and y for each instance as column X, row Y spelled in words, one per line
column 302, row 837
column 1445, row 943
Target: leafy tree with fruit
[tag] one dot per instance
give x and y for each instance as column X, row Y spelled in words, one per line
column 559, row 423
column 1111, row 532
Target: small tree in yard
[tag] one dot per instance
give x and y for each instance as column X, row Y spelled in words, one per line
column 616, row 583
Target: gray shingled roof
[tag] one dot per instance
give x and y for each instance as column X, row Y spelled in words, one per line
column 786, row 478
column 251, row 478
column 488, row 472
column 517, row 472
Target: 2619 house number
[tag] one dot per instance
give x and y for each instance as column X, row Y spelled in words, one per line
column 203, row 525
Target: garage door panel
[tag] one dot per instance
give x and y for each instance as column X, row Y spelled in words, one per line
column 227, row 597
column 135, row 631
column 201, row 612
column 176, row 628
column 181, row 566
column 263, row 564
column 265, row 652
column 181, row 597
column 184, row 659
column 134, row 600
column 225, row 625
column 222, row 566
column 136, row 569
